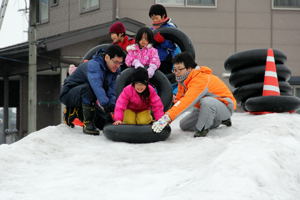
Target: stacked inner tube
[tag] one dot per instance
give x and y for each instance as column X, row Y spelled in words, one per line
column 141, row 133
column 89, row 55
column 178, row 37
column 247, row 76
column 96, row 50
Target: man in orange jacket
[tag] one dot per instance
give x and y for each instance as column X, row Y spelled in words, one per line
column 210, row 98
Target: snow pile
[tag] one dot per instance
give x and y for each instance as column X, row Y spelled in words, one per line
column 257, row 158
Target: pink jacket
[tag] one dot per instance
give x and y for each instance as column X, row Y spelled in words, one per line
column 147, row 56
column 129, row 99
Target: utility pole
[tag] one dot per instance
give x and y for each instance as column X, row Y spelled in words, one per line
column 32, row 68
column 6, row 81
column 2, row 11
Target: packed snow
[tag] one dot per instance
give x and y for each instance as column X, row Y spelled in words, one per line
column 257, row 158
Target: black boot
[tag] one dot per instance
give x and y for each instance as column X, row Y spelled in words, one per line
column 227, row 122
column 88, row 116
column 202, row 133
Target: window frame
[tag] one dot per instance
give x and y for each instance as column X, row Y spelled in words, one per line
column 187, row 6
column 282, row 8
column 38, row 14
column 91, row 9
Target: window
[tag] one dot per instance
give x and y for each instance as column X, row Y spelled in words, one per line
column 11, row 133
column 54, row 3
column 187, row 3
column 88, row 5
column 286, row 4
column 42, row 11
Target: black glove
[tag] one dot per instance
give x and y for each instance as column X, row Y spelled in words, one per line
column 109, row 108
column 102, row 118
column 70, row 113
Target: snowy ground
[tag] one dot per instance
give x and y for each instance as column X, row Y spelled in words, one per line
column 257, row 158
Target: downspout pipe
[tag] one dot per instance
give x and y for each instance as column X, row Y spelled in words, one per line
column 116, row 10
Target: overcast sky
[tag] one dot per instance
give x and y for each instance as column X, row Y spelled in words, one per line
column 15, row 24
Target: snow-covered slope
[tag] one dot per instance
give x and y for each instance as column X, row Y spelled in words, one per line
column 257, row 158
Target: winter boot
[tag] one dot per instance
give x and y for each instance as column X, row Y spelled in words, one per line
column 88, row 116
column 202, row 133
column 227, row 122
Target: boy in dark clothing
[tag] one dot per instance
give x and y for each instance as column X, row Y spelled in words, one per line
column 166, row 48
column 92, row 81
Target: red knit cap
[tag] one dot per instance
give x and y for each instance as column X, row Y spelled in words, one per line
column 117, row 27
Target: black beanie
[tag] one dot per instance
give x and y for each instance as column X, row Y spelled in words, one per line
column 140, row 75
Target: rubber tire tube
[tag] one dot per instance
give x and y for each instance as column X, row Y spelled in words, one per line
column 251, row 57
column 178, row 37
column 256, row 89
column 256, row 74
column 272, row 104
column 135, row 133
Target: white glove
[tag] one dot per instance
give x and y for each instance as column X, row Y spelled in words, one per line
column 160, row 124
column 136, row 63
column 151, row 70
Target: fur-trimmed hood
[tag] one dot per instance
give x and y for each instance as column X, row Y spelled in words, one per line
column 136, row 47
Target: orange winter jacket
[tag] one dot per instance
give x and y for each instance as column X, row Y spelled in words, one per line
column 199, row 83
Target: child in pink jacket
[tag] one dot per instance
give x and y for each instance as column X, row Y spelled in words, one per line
column 136, row 101
column 142, row 54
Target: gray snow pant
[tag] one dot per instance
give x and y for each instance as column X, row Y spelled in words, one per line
column 210, row 115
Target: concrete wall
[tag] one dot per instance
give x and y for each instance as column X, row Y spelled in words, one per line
column 286, row 37
column 48, row 105
column 77, row 51
column 66, row 16
column 235, row 25
column 216, row 33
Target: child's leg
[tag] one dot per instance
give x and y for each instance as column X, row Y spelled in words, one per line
column 129, row 117
column 144, row 117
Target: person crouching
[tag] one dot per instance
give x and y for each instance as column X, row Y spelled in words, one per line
column 136, row 101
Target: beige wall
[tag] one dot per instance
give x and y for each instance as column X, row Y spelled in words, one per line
column 216, row 33
column 235, row 25
column 67, row 17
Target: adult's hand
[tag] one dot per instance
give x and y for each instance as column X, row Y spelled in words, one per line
column 160, row 124
column 109, row 108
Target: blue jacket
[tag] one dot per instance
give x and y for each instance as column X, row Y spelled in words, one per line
column 96, row 74
column 167, row 47
column 102, row 81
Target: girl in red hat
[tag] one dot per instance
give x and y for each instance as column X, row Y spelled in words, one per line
column 118, row 36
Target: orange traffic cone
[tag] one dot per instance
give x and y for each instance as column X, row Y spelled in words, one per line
column 271, row 86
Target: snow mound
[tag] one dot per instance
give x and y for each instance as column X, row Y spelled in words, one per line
column 257, row 158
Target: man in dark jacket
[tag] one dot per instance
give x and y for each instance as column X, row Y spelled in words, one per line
column 93, row 83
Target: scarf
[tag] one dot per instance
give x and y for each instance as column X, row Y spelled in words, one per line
column 161, row 22
column 182, row 78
